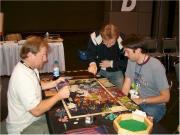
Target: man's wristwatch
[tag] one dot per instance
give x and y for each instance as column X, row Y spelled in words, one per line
column 144, row 100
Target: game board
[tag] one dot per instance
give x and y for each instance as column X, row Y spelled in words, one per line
column 128, row 103
column 89, row 97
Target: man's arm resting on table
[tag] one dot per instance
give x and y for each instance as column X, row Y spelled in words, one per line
column 126, row 86
column 46, row 104
column 162, row 98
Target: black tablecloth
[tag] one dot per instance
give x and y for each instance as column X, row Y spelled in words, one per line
column 56, row 127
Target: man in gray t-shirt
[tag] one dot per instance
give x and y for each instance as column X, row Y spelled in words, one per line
column 146, row 76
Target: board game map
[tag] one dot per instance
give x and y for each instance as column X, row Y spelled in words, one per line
column 89, row 97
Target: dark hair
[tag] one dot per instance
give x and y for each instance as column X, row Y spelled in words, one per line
column 33, row 45
column 134, row 42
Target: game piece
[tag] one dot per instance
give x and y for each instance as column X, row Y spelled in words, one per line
column 89, row 120
column 75, row 123
column 62, row 84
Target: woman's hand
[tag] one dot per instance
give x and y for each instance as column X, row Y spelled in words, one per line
column 92, row 68
column 105, row 64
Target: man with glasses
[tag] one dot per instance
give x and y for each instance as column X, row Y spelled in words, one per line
column 105, row 54
column 145, row 75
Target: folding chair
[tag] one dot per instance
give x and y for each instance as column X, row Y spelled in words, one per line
column 176, row 65
column 152, row 49
column 13, row 37
column 170, row 50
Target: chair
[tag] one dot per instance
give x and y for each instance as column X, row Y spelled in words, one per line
column 151, row 45
column 13, row 37
column 170, row 50
column 152, row 49
column 176, row 65
column 175, row 101
column 169, row 45
column 54, row 38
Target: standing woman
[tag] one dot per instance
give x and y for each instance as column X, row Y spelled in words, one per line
column 106, row 56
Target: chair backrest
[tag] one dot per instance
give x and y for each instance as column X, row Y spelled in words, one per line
column 13, row 37
column 151, row 45
column 169, row 45
column 176, row 65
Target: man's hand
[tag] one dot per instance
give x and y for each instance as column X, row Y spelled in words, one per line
column 105, row 64
column 60, row 79
column 92, row 68
column 64, row 92
column 138, row 100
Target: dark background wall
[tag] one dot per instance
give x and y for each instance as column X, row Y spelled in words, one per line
column 75, row 20
column 137, row 21
column 149, row 18
column 42, row 16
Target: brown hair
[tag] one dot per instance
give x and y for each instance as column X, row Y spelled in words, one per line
column 109, row 31
column 33, row 45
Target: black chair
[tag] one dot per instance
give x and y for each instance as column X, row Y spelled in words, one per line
column 169, row 45
column 170, row 49
column 175, row 102
column 152, row 49
column 176, row 65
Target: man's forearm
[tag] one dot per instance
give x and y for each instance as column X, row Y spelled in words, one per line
column 45, row 105
column 48, row 85
column 157, row 99
column 126, row 85
column 162, row 98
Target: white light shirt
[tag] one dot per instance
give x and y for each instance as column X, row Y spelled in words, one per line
column 24, row 94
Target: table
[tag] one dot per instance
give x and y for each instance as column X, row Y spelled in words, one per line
column 56, row 127
column 9, row 57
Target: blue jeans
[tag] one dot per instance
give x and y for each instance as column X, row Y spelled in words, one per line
column 116, row 78
column 157, row 111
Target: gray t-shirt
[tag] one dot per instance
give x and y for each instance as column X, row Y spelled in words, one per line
column 150, row 76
